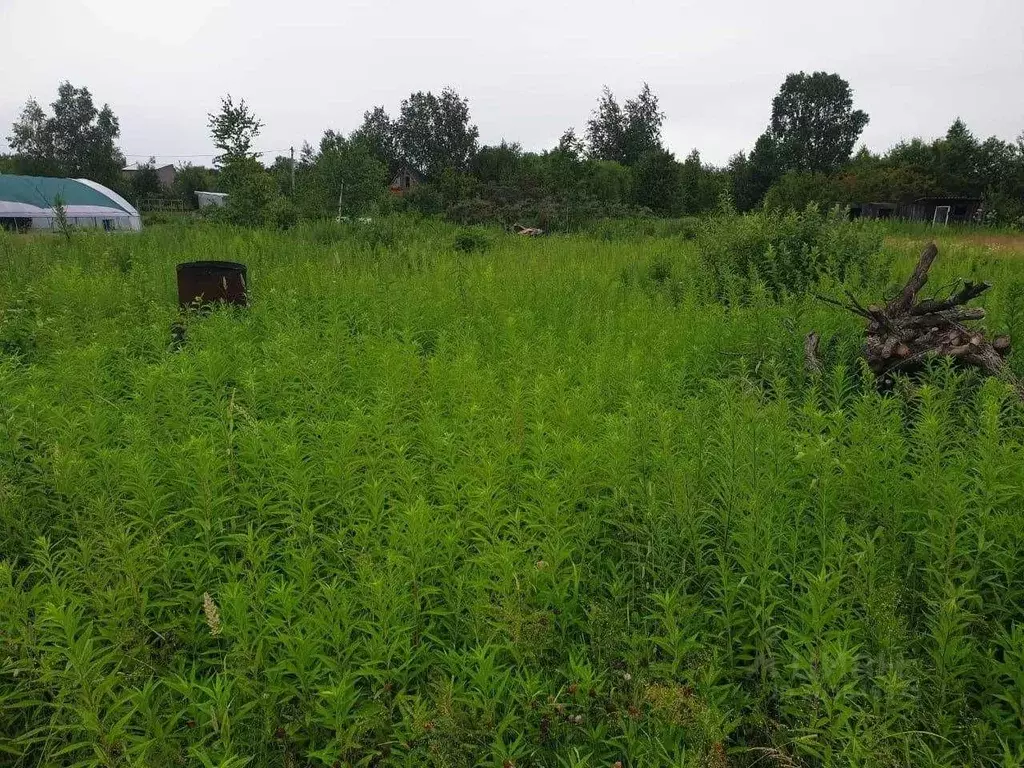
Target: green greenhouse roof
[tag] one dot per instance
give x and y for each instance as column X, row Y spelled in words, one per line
column 42, row 191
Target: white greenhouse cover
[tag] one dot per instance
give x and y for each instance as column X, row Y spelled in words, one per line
column 111, row 194
column 120, row 213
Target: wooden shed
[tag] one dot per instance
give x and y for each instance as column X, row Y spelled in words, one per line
column 943, row 210
column 406, row 180
column 874, row 210
column 935, row 210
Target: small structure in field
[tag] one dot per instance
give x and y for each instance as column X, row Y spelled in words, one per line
column 212, row 199
column 944, row 210
column 934, row 210
column 406, row 180
column 874, row 210
column 31, row 202
column 165, row 173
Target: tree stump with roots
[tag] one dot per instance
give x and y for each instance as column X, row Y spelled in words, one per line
column 905, row 332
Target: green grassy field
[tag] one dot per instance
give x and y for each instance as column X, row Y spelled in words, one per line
column 549, row 504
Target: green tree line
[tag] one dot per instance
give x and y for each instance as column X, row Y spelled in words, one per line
column 619, row 166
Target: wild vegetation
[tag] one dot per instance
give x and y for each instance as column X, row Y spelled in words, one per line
column 449, row 497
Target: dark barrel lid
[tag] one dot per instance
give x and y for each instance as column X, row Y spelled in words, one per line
column 224, row 266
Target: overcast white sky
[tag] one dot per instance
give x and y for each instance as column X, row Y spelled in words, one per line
column 530, row 68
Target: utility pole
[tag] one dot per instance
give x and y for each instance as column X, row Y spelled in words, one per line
column 293, row 172
column 341, row 199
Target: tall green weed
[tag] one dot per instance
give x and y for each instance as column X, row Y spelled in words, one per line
column 788, row 253
column 550, row 506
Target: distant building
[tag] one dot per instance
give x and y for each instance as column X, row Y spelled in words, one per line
column 406, row 180
column 165, row 173
column 30, row 202
column 944, row 210
column 211, row 199
column 874, row 210
column 935, row 210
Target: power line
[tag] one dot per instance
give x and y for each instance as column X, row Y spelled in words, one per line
column 214, row 154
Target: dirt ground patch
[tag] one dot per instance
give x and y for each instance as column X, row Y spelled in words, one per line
column 1002, row 242
column 1010, row 244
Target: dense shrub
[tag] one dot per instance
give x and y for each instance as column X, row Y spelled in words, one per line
column 19, row 325
column 281, row 213
column 686, row 228
column 787, row 253
column 154, row 218
column 796, row 190
column 472, row 240
column 550, row 214
column 251, row 191
column 426, row 199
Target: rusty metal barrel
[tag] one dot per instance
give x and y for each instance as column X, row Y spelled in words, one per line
column 206, row 282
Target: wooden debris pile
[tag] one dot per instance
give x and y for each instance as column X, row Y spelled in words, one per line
column 905, row 332
column 519, row 229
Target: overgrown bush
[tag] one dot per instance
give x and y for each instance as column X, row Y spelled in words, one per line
column 550, row 214
column 472, row 240
column 281, row 213
column 19, row 325
column 618, row 229
column 788, row 253
column 157, row 218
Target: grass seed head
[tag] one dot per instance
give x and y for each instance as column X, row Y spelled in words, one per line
column 212, row 614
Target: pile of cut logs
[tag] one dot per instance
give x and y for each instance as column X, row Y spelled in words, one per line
column 906, row 331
